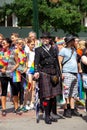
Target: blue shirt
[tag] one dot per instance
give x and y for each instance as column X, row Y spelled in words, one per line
column 71, row 65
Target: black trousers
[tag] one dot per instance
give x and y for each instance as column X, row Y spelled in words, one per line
column 4, row 85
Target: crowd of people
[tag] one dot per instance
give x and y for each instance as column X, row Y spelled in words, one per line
column 55, row 63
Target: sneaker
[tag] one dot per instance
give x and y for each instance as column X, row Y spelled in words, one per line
column 28, row 107
column 4, row 113
column 18, row 111
column 31, row 106
column 23, row 109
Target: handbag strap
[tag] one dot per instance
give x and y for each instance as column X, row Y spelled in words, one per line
column 68, row 59
column 44, row 48
column 58, row 67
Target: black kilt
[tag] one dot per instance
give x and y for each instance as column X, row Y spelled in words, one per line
column 46, row 87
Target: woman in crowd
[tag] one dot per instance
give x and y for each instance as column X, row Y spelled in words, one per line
column 22, row 68
column 10, row 60
column 84, row 71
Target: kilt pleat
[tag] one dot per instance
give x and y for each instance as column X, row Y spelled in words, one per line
column 46, row 87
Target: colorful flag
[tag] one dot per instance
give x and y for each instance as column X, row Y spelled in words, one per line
column 16, row 76
column 3, row 63
column 31, row 70
column 80, row 88
column 26, row 85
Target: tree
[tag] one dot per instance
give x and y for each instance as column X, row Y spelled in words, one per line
column 63, row 15
column 66, row 15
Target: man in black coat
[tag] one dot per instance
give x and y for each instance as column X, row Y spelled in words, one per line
column 47, row 66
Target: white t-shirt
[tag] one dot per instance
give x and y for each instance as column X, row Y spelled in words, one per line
column 26, row 49
column 31, row 55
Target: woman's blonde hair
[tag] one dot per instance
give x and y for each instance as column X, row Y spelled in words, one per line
column 81, row 44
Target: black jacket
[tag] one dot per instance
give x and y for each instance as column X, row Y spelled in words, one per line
column 44, row 60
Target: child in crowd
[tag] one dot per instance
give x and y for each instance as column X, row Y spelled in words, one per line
column 30, row 72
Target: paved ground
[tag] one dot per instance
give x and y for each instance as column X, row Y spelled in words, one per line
column 27, row 121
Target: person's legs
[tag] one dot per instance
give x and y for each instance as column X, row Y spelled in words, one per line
column 67, row 108
column 46, row 104
column 15, row 91
column 66, row 91
column 53, row 110
column 4, row 85
column 21, row 90
column 31, row 91
column 54, row 105
column 74, row 95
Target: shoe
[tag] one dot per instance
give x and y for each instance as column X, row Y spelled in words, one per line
column 47, row 120
column 23, row 109
column 27, row 107
column 53, row 119
column 56, row 116
column 75, row 112
column 18, row 111
column 67, row 113
column 31, row 106
column 4, row 113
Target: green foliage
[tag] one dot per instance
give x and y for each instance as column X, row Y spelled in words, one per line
column 63, row 16
column 66, row 15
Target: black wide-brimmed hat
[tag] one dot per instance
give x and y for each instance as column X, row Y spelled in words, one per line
column 45, row 35
column 69, row 38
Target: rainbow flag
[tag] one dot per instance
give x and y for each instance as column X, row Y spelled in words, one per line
column 31, row 70
column 80, row 88
column 16, row 76
column 26, row 85
column 3, row 63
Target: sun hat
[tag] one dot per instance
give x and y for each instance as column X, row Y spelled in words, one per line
column 69, row 38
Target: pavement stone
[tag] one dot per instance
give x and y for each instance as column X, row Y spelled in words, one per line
column 27, row 121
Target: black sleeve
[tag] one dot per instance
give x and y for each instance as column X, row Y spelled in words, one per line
column 37, row 59
column 78, row 58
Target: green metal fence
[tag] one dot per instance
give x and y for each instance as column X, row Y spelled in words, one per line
column 23, row 32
